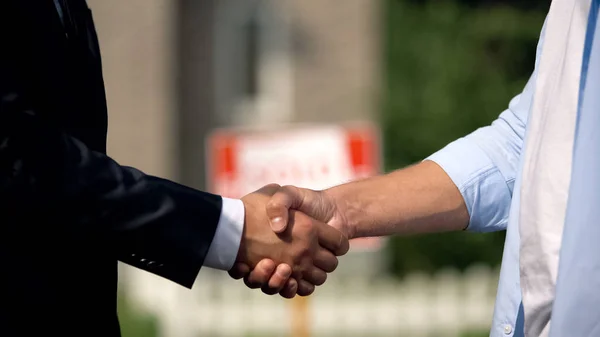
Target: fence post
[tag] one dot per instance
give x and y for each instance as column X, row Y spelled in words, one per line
column 300, row 317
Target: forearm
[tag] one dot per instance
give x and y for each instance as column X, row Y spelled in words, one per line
column 417, row 199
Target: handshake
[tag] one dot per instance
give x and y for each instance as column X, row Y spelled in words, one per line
column 307, row 233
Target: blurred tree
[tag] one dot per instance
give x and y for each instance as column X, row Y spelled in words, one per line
column 450, row 67
column 133, row 323
column 541, row 5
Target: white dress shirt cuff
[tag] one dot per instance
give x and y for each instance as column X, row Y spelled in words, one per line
column 226, row 242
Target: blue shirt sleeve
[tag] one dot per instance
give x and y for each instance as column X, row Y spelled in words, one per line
column 484, row 164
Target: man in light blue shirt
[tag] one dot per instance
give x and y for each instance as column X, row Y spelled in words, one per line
column 514, row 174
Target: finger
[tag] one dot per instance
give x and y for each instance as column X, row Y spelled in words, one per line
column 260, row 275
column 325, row 260
column 315, row 276
column 281, row 276
column 278, row 207
column 290, row 289
column 305, row 288
column 332, row 239
column 239, row 270
column 278, row 279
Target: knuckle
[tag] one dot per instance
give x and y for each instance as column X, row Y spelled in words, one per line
column 235, row 276
column 269, row 290
column 265, row 267
column 343, row 245
column 276, row 282
column 320, row 279
column 306, row 263
column 274, row 204
column 287, row 192
column 334, row 264
column 302, row 255
column 323, row 279
column 288, row 292
column 288, row 189
column 239, row 270
column 258, row 276
column 304, row 252
column 305, row 229
column 306, row 291
column 316, row 276
column 250, row 284
column 273, row 185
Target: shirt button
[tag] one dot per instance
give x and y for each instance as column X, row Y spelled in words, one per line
column 507, row 329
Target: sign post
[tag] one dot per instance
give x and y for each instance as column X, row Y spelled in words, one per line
column 316, row 157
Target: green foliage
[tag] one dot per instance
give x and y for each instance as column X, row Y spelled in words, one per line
column 132, row 323
column 449, row 69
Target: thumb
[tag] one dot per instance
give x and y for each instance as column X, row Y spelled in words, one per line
column 286, row 198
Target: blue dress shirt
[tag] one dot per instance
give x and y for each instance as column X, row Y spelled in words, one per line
column 576, row 309
column 486, row 166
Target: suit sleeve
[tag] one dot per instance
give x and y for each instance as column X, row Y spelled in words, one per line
column 151, row 223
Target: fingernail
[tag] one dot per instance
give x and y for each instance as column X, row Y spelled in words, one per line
column 277, row 223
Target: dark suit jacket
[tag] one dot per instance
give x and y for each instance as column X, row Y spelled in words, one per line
column 68, row 212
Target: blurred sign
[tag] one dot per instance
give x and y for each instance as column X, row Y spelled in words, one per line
column 316, row 157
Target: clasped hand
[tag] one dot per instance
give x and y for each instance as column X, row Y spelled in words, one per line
column 295, row 253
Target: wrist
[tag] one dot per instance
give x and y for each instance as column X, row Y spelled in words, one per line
column 343, row 218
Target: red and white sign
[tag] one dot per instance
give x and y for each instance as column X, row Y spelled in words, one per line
column 316, row 157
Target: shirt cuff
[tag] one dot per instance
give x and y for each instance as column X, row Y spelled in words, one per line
column 226, row 242
column 479, row 181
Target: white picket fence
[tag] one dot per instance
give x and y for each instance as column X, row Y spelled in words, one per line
column 447, row 304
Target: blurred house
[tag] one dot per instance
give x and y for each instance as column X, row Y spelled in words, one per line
column 175, row 69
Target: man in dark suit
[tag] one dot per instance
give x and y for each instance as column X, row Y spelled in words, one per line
column 68, row 212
